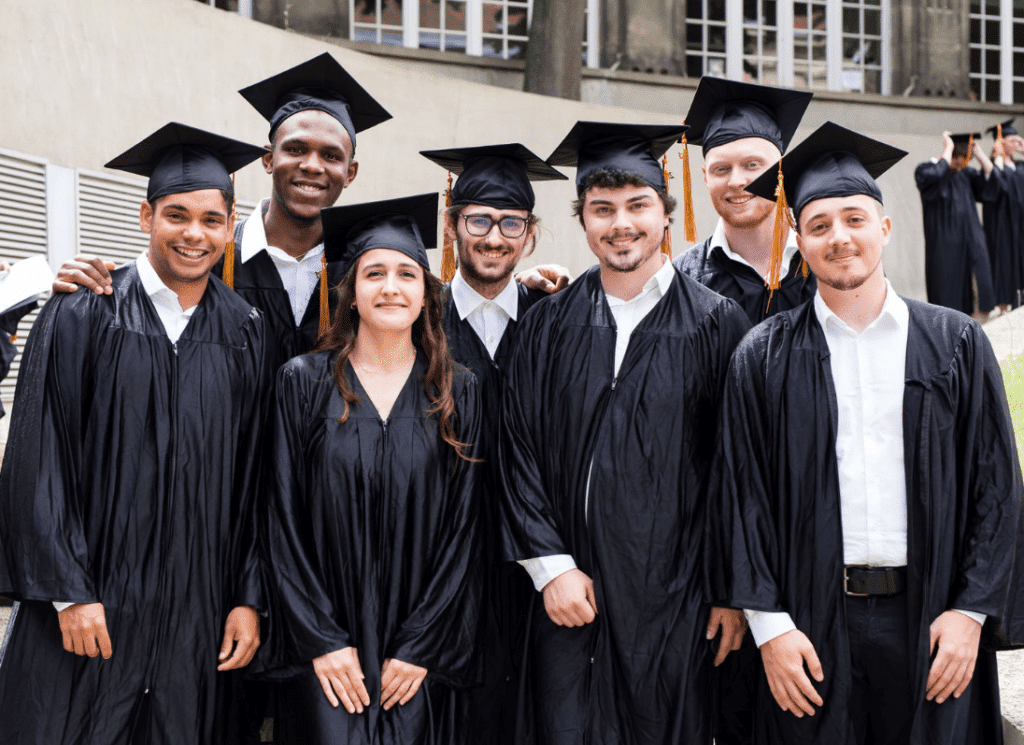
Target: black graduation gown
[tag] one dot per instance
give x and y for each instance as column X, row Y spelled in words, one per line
column 642, row 441
column 739, row 282
column 508, row 590
column 1003, row 220
column 372, row 543
column 8, row 328
column 781, row 543
column 954, row 241
column 128, row 480
column 258, row 282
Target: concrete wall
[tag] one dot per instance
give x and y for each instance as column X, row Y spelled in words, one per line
column 84, row 80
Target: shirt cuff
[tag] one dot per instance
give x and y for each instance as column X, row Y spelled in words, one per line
column 979, row 617
column 61, row 606
column 543, row 569
column 766, row 626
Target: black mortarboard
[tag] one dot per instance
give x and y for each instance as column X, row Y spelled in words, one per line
column 832, row 162
column 321, row 84
column 1008, row 129
column 726, row 110
column 964, row 138
column 629, row 148
column 407, row 224
column 178, row 158
column 495, row 176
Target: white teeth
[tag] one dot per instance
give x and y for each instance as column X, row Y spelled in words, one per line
column 309, row 188
column 190, row 254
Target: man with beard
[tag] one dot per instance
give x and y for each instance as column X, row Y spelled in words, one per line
column 128, row 486
column 871, row 494
column 743, row 129
column 608, row 429
column 954, row 240
column 491, row 223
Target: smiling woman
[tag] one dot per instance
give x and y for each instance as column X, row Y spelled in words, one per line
column 372, row 520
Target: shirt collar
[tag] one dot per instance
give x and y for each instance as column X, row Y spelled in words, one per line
column 660, row 283
column 718, row 240
column 894, row 313
column 468, row 300
column 151, row 282
column 254, row 239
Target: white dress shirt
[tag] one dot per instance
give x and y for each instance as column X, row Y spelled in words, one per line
column 299, row 276
column 868, row 372
column 488, row 318
column 170, row 312
column 718, row 241
column 627, row 314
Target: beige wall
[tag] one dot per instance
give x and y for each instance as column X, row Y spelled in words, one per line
column 85, row 79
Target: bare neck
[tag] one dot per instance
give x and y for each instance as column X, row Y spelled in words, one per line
column 859, row 307
column 294, row 237
column 627, row 285
column 754, row 243
column 383, row 350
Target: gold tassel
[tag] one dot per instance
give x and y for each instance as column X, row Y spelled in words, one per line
column 325, row 308
column 666, row 242
column 228, row 273
column 999, row 139
column 782, row 218
column 689, row 221
column 448, row 252
column 970, row 147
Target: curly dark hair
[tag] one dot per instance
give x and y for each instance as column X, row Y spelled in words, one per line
column 610, row 178
column 427, row 334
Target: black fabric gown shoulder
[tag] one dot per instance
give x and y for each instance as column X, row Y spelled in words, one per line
column 1003, row 220
column 739, row 282
column 508, row 590
column 372, row 543
column 258, row 282
column 8, row 328
column 612, row 469
column 781, row 544
column 129, row 480
column 953, row 236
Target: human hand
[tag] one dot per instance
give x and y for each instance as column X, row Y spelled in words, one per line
column 90, row 272
column 953, row 667
column 733, row 624
column 569, row 599
column 399, row 682
column 241, row 630
column 84, row 628
column 784, row 658
column 549, row 278
column 341, row 677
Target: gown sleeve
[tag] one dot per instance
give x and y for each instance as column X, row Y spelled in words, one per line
column 43, row 551
column 932, row 178
column 302, row 615
column 440, row 631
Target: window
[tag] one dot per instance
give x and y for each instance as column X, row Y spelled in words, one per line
column 443, row 25
column 810, row 63
column 862, row 46
column 506, row 24
column 760, row 42
column 376, row 21
column 985, row 33
column 705, row 38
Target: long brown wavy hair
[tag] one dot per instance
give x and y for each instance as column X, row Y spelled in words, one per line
column 427, row 335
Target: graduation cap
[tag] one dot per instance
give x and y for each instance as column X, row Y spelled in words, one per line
column 726, row 110
column 407, row 224
column 630, row 148
column 321, row 84
column 495, row 176
column 1003, row 129
column 832, row 162
column 178, row 158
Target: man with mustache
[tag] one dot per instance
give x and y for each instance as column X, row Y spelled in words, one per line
column 491, row 224
column 609, row 427
column 870, row 502
column 743, row 130
column 128, row 486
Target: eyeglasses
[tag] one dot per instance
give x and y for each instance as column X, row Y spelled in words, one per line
column 509, row 225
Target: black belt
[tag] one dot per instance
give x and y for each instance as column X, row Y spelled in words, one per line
column 864, row 582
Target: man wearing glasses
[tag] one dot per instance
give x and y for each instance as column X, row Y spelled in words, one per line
column 492, row 224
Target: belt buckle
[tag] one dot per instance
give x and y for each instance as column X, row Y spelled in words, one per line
column 846, row 583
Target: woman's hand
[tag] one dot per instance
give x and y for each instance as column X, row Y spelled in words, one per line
column 341, row 677
column 399, row 682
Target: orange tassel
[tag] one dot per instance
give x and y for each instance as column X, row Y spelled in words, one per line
column 999, row 139
column 325, row 308
column 666, row 242
column 448, row 252
column 228, row 273
column 782, row 219
column 970, row 147
column 689, row 221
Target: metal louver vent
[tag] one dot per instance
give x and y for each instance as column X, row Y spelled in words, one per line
column 22, row 233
